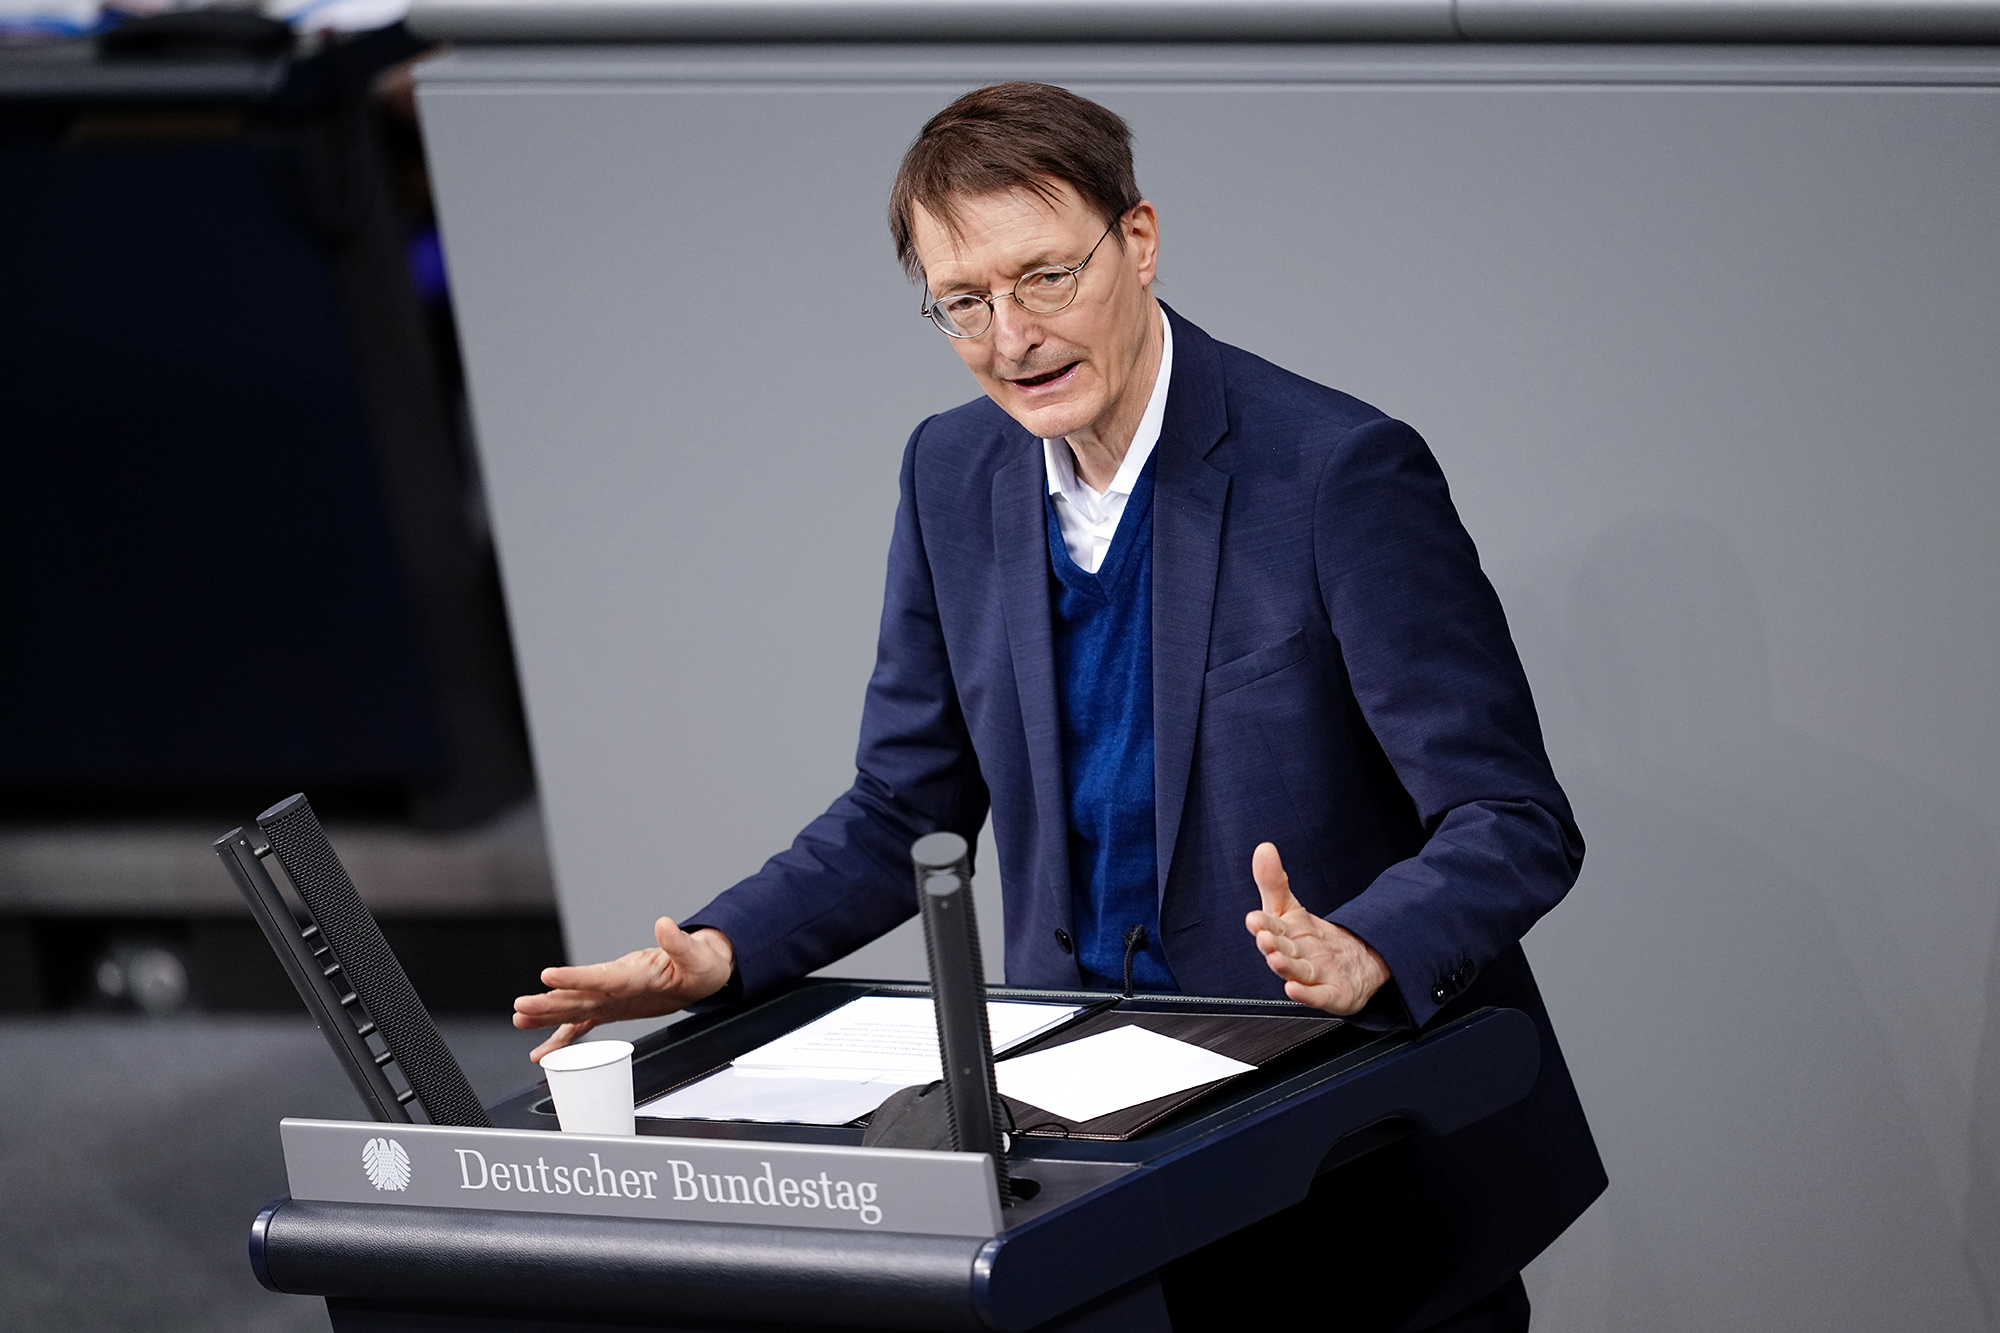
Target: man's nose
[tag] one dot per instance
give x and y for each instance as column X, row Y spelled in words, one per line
column 1016, row 332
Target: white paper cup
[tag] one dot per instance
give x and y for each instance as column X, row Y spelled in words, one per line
column 592, row 1085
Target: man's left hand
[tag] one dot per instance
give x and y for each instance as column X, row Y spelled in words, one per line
column 1323, row 965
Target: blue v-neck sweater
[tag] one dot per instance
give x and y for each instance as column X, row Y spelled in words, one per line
column 1104, row 686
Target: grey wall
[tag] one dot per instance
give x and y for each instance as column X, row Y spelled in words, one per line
column 1708, row 349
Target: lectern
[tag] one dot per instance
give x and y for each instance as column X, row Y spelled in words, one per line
column 1081, row 1254
column 498, row 1220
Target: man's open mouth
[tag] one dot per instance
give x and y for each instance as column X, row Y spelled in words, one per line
column 1035, row 381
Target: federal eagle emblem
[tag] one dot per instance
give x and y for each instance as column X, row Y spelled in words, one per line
column 387, row 1165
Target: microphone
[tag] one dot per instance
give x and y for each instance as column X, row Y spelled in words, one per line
column 958, row 990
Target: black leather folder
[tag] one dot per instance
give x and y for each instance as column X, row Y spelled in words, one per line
column 1255, row 1039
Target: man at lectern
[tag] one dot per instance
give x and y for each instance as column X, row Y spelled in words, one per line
column 1211, row 645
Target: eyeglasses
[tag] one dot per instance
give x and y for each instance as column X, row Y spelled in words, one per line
column 1044, row 291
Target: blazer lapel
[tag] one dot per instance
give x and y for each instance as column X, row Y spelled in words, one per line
column 1021, row 554
column 1189, row 498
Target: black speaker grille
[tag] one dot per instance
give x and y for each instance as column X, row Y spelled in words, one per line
column 371, row 967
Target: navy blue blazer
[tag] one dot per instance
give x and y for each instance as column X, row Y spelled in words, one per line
column 1331, row 673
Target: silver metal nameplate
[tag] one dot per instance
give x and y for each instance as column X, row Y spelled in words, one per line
column 693, row 1180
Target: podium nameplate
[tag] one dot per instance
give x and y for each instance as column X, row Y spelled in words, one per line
column 693, row 1180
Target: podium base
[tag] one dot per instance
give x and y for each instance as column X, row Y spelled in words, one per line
column 1138, row 1307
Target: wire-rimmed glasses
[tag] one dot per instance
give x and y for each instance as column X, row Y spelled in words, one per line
column 1043, row 291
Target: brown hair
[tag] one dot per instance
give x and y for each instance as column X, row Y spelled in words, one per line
column 1011, row 136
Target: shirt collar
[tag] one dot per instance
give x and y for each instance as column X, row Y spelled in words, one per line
column 1061, row 463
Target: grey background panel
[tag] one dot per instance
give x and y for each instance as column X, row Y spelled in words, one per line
column 1711, row 371
column 1213, row 20
column 520, row 67
column 933, row 20
column 1727, row 20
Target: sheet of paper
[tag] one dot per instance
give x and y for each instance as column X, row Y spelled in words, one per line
column 769, row 1097
column 892, row 1034
column 842, row 1065
column 1110, row 1071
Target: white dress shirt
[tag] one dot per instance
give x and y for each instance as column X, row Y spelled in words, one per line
column 1088, row 518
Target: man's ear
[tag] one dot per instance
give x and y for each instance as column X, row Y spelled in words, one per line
column 1140, row 229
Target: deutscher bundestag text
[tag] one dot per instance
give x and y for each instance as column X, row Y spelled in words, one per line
column 768, row 1190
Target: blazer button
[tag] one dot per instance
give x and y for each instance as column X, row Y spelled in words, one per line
column 1438, row 994
column 1063, row 941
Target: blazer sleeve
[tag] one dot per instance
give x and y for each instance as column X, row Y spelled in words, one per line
column 847, row 878
column 1435, row 673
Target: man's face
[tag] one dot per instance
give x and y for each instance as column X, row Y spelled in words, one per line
column 1060, row 374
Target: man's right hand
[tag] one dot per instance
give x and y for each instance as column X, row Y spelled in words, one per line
column 645, row 983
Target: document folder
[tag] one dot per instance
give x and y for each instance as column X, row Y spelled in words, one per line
column 1255, row 1039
